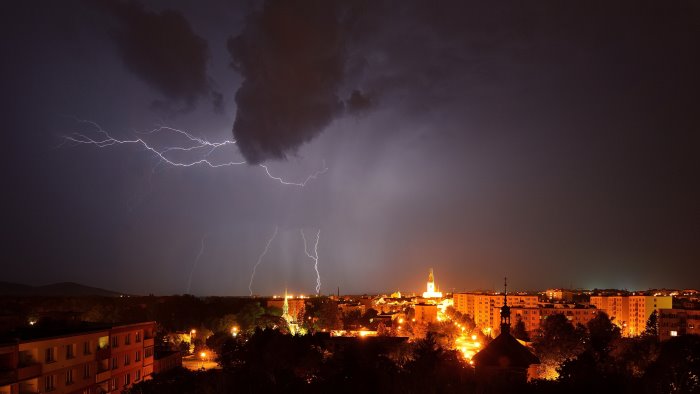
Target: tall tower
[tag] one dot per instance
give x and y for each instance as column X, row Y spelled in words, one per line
column 505, row 309
column 291, row 321
column 431, row 282
column 285, row 306
column 430, row 291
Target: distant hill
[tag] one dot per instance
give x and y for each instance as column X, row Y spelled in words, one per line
column 63, row 289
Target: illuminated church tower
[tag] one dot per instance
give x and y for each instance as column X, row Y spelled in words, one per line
column 430, row 291
column 291, row 322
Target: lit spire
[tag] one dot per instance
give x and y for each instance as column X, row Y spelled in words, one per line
column 285, row 306
column 505, row 309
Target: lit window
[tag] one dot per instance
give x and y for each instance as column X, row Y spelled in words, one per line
column 674, row 333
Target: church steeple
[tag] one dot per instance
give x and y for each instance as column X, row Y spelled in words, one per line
column 505, row 309
column 285, row 306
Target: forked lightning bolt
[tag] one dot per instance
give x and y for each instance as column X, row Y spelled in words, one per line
column 267, row 246
column 313, row 257
column 194, row 144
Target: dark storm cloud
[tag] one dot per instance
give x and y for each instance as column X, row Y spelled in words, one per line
column 358, row 103
column 292, row 57
column 162, row 49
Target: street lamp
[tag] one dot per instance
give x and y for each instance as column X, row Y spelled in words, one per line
column 234, row 331
column 203, row 355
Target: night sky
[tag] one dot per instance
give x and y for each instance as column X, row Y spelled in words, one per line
column 555, row 142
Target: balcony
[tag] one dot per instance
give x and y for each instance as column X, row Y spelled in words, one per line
column 28, row 371
column 147, row 342
column 8, row 376
column 103, row 376
column 103, row 353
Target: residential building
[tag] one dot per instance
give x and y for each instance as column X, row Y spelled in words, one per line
column 631, row 312
column 425, row 313
column 677, row 322
column 559, row 295
column 88, row 360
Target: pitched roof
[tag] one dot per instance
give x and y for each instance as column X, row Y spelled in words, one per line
column 505, row 351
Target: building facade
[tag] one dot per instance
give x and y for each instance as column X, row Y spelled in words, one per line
column 677, row 322
column 631, row 312
column 426, row 313
column 106, row 360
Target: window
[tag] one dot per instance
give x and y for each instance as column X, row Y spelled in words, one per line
column 127, row 339
column 114, row 363
column 69, row 376
column 138, row 375
column 674, row 333
column 114, row 383
column 49, row 384
column 148, row 352
column 126, row 359
column 127, row 379
column 69, row 351
column 50, row 355
column 86, row 347
column 138, row 336
column 86, row 371
column 138, row 356
column 115, row 341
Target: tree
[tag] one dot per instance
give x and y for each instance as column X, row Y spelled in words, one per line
column 225, row 323
column 602, row 332
column 652, row 327
column 249, row 314
column 677, row 369
column 520, row 332
column 558, row 342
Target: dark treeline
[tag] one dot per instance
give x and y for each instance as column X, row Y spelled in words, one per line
column 271, row 361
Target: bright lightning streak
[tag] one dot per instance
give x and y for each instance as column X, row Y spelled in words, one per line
column 313, row 257
column 195, row 144
column 196, row 262
column 267, row 246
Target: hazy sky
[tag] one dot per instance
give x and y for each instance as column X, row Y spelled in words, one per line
column 557, row 143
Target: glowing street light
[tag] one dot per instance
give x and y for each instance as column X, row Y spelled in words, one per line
column 234, row 331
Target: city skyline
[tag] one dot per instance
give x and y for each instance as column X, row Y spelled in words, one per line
column 372, row 142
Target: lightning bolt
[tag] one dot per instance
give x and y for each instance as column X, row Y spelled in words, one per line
column 313, row 257
column 194, row 144
column 267, row 246
column 194, row 265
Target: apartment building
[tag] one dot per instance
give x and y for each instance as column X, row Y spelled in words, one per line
column 677, row 322
column 426, row 313
column 631, row 312
column 77, row 361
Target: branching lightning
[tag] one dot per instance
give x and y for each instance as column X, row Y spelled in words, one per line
column 196, row 262
column 267, row 246
column 194, row 144
column 313, row 257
